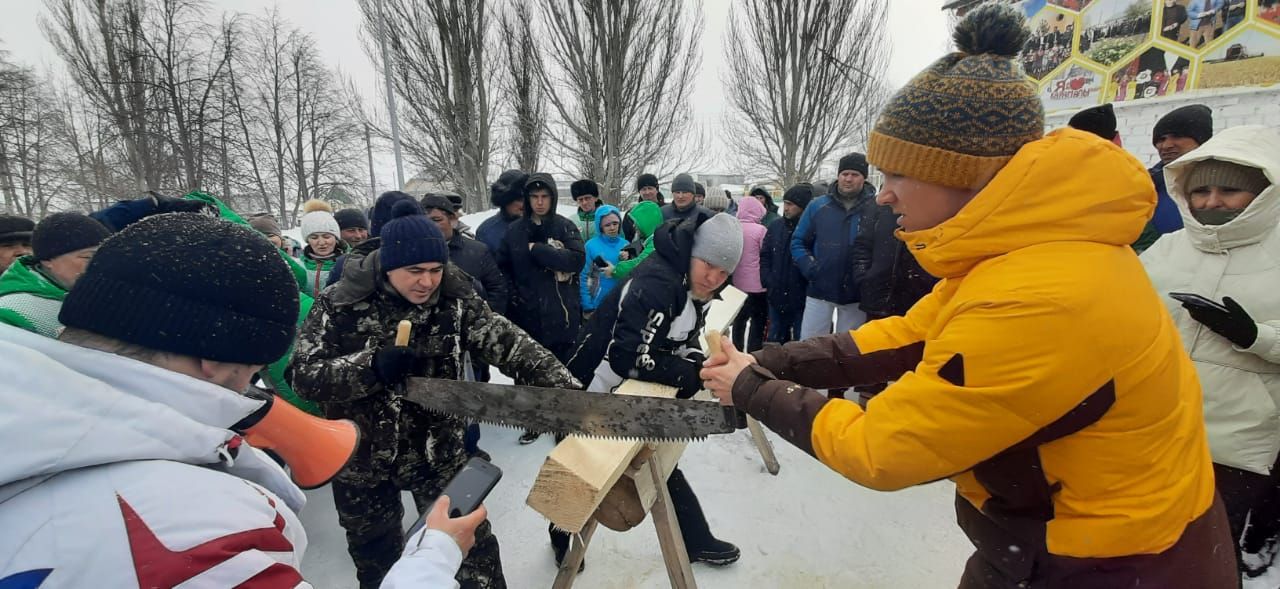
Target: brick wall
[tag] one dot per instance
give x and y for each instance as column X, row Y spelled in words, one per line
column 1231, row 108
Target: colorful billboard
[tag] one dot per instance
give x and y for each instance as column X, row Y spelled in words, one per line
column 1086, row 52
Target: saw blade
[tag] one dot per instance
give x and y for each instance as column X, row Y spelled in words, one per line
column 568, row 411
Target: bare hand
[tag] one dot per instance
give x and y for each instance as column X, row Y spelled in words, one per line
column 461, row 529
column 624, row 256
column 608, row 271
column 722, row 369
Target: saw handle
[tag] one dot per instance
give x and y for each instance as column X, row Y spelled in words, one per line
column 403, row 330
column 713, row 348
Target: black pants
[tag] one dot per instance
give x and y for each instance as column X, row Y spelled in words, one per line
column 755, row 311
column 693, row 522
column 1245, row 492
column 372, row 516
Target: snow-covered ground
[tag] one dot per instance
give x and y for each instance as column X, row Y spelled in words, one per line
column 806, row 527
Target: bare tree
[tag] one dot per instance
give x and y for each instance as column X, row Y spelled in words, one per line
column 442, row 75
column 619, row 73
column 296, row 130
column 522, row 87
column 803, row 80
column 28, row 142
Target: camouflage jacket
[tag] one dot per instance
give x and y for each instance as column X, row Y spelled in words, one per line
column 333, row 366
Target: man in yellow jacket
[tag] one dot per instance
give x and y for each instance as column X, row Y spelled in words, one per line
column 1043, row 374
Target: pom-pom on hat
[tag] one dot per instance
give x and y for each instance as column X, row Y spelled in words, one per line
column 963, row 118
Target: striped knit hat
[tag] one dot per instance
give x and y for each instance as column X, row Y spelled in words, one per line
column 962, row 119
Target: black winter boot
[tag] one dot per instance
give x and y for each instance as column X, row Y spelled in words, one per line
column 698, row 541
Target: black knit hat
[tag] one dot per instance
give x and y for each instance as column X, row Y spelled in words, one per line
column 856, row 162
column 584, row 188
column 683, row 183
column 646, row 180
column 456, row 199
column 351, row 218
column 411, row 238
column 63, row 233
column 508, row 188
column 1099, row 120
column 1194, row 121
column 698, row 188
column 189, row 284
column 799, row 195
column 15, row 229
column 382, row 210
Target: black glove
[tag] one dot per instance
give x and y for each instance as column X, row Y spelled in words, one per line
column 394, row 363
column 1236, row 325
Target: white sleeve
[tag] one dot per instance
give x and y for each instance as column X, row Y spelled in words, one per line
column 1267, row 346
column 430, row 561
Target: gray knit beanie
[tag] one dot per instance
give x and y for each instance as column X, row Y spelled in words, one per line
column 718, row 242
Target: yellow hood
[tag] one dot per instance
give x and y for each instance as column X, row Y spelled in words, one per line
column 1070, row 186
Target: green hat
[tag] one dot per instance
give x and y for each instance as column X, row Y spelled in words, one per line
column 961, row 119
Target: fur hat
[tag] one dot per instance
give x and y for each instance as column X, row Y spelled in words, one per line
column 646, row 180
column 508, row 188
column 583, row 188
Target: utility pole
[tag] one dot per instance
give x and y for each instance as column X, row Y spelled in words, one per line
column 391, row 95
column 368, row 146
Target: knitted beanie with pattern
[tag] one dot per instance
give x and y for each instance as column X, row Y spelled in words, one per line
column 963, row 118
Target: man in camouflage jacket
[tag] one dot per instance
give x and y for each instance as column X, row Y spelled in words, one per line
column 405, row 447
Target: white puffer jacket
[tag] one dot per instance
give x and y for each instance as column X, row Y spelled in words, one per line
column 1240, row 259
column 115, row 473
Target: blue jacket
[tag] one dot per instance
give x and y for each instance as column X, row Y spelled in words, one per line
column 783, row 280
column 592, row 281
column 1166, row 219
column 822, row 246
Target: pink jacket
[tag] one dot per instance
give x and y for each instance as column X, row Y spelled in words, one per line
column 747, row 276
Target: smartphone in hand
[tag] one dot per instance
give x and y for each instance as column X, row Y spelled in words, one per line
column 600, row 263
column 467, row 491
column 1196, row 300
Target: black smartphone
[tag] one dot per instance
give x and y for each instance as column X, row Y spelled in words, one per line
column 600, row 263
column 1197, row 301
column 467, row 490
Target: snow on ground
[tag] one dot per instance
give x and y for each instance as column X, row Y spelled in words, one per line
column 1269, row 580
column 807, row 527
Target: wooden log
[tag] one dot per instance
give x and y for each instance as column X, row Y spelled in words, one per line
column 580, row 473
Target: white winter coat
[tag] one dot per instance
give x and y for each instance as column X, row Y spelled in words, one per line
column 115, row 473
column 1240, row 259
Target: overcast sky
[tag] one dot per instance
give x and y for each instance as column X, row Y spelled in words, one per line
column 917, row 32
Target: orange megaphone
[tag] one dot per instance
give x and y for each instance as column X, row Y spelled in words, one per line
column 315, row 449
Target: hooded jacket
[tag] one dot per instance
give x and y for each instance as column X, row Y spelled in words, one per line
column 822, row 247
column 746, row 277
column 1070, row 421
column 116, row 453
column 1241, row 260
column 333, row 366
column 546, row 301
column 30, row 300
column 645, row 218
column 779, row 276
column 594, row 284
column 648, row 328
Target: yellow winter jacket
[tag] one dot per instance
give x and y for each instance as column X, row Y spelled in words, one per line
column 1052, row 386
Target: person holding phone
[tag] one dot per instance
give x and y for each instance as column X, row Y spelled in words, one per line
column 604, row 251
column 434, row 551
column 1220, row 275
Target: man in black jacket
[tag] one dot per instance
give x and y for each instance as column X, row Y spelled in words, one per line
column 543, row 254
column 469, row 254
column 683, row 200
column 648, row 330
column 782, row 279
